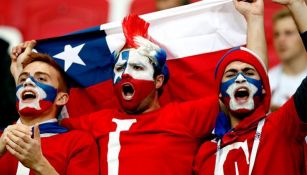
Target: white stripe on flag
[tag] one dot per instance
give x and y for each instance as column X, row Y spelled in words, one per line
column 200, row 27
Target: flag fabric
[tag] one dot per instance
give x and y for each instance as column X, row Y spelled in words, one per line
column 195, row 37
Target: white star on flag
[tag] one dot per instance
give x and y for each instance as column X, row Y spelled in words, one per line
column 70, row 56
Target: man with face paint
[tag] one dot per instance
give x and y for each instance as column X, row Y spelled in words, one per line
column 249, row 140
column 46, row 148
column 142, row 137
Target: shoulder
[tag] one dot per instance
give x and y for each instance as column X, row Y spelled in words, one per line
column 76, row 137
column 275, row 71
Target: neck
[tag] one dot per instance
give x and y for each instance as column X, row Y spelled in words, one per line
column 295, row 66
column 234, row 121
column 154, row 105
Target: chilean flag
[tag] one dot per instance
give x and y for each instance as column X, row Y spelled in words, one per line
column 195, row 37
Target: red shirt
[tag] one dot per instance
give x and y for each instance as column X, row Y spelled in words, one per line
column 280, row 150
column 164, row 141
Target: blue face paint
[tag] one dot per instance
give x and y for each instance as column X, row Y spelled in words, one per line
column 124, row 56
column 45, row 96
column 225, row 85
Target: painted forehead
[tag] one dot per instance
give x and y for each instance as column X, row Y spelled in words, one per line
column 131, row 56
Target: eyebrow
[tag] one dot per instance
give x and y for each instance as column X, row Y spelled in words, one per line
column 42, row 73
column 22, row 74
column 243, row 70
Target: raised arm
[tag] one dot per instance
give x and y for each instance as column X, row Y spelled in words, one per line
column 18, row 55
column 253, row 13
column 298, row 9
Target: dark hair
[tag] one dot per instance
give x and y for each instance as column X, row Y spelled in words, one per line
column 33, row 57
column 281, row 14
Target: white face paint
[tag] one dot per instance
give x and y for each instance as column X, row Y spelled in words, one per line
column 29, row 87
column 246, row 102
column 132, row 63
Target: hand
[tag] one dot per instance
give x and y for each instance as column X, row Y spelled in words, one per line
column 18, row 55
column 26, row 149
column 287, row 2
column 24, row 129
column 250, row 9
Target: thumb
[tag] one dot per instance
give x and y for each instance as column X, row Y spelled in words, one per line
column 36, row 133
column 30, row 45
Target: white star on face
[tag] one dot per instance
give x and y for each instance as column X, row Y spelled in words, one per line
column 121, row 62
column 70, row 56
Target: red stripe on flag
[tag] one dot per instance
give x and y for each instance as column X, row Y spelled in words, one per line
column 93, row 98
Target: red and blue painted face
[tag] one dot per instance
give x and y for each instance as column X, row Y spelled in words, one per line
column 241, row 89
column 133, row 79
column 33, row 97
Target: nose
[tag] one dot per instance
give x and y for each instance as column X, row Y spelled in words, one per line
column 240, row 79
column 28, row 82
column 126, row 76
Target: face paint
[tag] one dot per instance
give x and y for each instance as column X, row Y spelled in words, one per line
column 132, row 63
column 241, row 94
column 33, row 97
column 133, row 79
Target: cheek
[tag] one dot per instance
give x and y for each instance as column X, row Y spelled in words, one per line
column 143, row 75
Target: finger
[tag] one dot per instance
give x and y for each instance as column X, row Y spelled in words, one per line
column 30, row 45
column 19, row 127
column 37, row 133
column 17, row 141
column 13, row 152
column 25, row 137
column 23, row 128
column 13, row 145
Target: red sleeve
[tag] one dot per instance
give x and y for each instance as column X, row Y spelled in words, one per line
column 286, row 120
column 84, row 156
column 82, row 123
column 200, row 116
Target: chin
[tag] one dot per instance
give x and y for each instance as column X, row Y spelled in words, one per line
column 241, row 113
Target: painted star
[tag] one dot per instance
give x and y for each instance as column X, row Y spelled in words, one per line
column 120, row 61
column 70, row 56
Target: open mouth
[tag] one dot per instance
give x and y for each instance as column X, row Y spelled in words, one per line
column 127, row 91
column 28, row 95
column 241, row 94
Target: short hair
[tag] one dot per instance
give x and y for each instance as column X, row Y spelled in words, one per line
column 281, row 14
column 33, row 57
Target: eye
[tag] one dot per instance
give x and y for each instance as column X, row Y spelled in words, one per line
column 119, row 68
column 230, row 75
column 41, row 78
column 249, row 73
column 136, row 67
column 21, row 80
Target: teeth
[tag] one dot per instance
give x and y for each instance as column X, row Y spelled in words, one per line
column 29, row 93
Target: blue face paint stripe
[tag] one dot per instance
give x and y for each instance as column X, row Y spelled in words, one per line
column 225, row 85
column 50, row 91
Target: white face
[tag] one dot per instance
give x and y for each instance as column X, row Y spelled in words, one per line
column 244, row 102
column 287, row 41
column 30, row 94
column 132, row 63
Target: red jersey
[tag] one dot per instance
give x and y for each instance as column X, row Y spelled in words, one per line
column 164, row 141
column 280, row 150
column 73, row 152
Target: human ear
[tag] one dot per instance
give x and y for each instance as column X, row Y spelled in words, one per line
column 159, row 81
column 61, row 99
